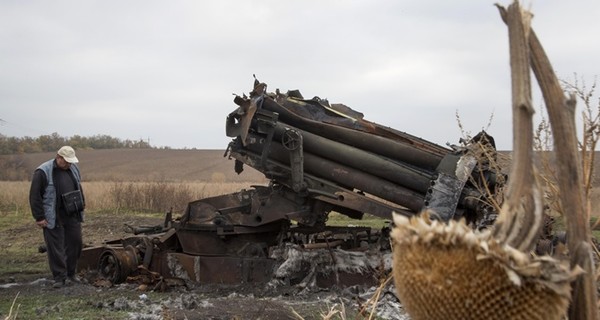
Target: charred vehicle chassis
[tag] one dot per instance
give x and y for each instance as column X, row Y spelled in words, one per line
column 319, row 158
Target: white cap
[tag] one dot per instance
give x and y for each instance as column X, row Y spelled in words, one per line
column 68, row 154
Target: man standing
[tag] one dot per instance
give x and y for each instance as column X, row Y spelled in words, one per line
column 57, row 204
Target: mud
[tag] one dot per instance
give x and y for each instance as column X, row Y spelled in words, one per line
column 273, row 300
column 220, row 302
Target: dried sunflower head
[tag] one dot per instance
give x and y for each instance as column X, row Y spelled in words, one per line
column 449, row 271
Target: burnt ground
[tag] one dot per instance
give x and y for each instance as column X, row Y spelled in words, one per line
column 185, row 301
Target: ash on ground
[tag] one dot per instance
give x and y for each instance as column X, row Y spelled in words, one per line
column 295, row 292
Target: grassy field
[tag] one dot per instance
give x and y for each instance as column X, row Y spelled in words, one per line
column 121, row 187
column 140, row 165
column 106, row 214
column 122, row 200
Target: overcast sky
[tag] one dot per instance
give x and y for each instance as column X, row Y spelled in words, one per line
column 167, row 70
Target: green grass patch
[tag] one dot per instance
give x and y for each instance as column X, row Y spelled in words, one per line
column 10, row 219
column 20, row 240
column 19, row 264
column 64, row 304
column 337, row 219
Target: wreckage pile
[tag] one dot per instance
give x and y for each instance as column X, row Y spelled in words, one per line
column 319, row 157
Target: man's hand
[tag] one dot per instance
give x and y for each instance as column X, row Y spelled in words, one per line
column 42, row 223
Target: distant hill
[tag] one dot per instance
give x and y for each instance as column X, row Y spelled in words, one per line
column 162, row 165
column 150, row 165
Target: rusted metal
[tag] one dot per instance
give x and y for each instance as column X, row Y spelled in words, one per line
column 322, row 245
column 339, row 146
column 89, row 258
column 346, row 176
column 373, row 137
column 319, row 158
column 361, row 160
column 344, row 279
column 115, row 264
column 220, row 269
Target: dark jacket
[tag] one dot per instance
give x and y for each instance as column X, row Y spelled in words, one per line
column 43, row 196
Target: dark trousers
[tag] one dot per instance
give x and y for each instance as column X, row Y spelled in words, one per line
column 64, row 244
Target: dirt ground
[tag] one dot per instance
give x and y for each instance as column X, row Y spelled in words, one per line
column 189, row 301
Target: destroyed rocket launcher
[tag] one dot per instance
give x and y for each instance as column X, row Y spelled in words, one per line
column 325, row 157
column 319, row 157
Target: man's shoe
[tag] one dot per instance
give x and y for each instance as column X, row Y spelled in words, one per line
column 58, row 284
column 73, row 280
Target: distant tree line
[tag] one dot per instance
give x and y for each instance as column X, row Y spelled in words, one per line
column 53, row 142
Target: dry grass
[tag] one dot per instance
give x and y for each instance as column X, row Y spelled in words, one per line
column 148, row 180
column 131, row 196
column 154, row 196
column 14, row 197
column 11, row 315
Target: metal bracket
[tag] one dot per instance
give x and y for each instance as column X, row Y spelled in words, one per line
column 444, row 194
column 292, row 141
